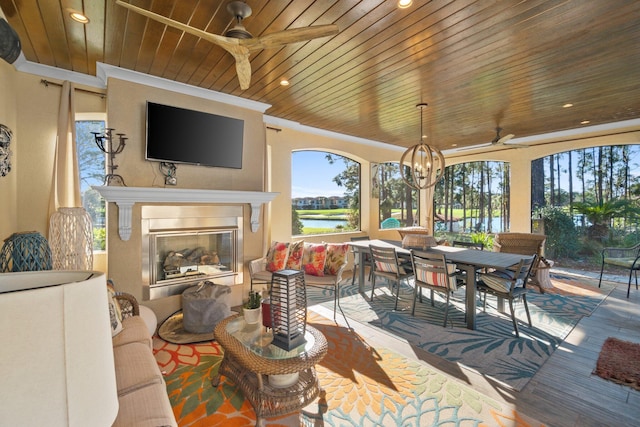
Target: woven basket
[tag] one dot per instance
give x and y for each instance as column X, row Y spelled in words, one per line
column 25, row 251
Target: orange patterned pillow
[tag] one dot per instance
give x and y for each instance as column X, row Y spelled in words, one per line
column 313, row 258
column 294, row 261
column 336, row 257
column 277, row 256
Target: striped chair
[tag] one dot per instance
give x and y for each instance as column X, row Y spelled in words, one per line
column 433, row 272
column 386, row 265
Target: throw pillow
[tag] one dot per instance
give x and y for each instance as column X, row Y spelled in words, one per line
column 294, row 261
column 277, row 256
column 115, row 314
column 336, row 257
column 313, row 258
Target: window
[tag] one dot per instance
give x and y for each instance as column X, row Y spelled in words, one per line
column 325, row 193
column 473, row 197
column 91, row 162
column 397, row 201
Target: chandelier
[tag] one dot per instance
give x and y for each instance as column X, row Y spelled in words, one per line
column 426, row 163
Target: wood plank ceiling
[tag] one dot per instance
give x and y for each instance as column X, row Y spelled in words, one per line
column 477, row 63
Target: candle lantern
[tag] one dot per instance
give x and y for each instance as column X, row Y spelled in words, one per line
column 288, row 308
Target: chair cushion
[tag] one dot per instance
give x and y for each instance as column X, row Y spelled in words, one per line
column 277, row 256
column 146, row 407
column 500, row 280
column 294, row 261
column 262, row 276
column 389, row 267
column 313, row 258
column 134, row 329
column 135, row 367
column 336, row 257
column 438, row 279
column 621, row 262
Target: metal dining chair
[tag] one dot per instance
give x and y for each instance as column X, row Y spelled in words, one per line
column 510, row 285
column 432, row 271
column 386, row 265
column 469, row 245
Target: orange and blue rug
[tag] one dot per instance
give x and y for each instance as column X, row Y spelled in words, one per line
column 364, row 386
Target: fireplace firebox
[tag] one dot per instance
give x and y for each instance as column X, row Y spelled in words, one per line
column 183, row 245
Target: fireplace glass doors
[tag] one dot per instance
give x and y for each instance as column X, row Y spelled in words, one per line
column 194, row 255
column 183, row 245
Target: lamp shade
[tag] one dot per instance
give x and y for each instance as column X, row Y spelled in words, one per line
column 56, row 357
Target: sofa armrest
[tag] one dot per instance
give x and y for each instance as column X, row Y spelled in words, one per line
column 128, row 304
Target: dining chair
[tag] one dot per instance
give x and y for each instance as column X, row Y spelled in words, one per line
column 508, row 284
column 386, row 265
column 360, row 256
column 432, row 271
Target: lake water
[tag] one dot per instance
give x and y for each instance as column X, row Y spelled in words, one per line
column 323, row 223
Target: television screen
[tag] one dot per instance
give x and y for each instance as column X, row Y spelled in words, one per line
column 178, row 135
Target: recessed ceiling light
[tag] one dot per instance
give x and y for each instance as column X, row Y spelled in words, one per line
column 585, row 122
column 403, row 4
column 78, row 17
column 454, row 145
column 284, row 82
column 567, row 105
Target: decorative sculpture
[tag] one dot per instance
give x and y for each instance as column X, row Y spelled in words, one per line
column 5, row 152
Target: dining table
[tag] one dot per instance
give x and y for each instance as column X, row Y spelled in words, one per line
column 468, row 260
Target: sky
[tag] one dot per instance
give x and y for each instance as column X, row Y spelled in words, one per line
column 312, row 175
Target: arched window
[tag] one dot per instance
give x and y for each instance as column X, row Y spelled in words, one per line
column 325, row 193
column 473, row 197
column 398, row 202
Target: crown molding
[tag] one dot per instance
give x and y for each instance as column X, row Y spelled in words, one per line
column 289, row 124
column 104, row 71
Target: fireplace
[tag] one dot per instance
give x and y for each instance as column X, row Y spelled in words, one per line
column 183, row 245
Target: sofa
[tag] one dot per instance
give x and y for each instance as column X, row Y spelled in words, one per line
column 322, row 264
column 142, row 392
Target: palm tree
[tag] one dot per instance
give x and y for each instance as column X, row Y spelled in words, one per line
column 600, row 214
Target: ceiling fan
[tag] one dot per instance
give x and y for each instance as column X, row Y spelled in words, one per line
column 238, row 41
column 497, row 141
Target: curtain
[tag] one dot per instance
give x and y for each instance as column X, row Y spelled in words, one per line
column 65, row 191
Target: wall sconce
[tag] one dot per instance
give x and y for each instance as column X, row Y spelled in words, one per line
column 106, row 144
column 426, row 163
column 288, row 309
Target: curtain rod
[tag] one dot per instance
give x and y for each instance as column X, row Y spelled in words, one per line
column 48, row 82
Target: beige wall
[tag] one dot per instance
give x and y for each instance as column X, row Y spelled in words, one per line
column 126, row 113
column 9, row 183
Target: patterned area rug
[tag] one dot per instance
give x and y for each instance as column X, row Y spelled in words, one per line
column 364, row 386
column 619, row 361
column 492, row 349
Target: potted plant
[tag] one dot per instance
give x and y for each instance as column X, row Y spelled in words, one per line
column 252, row 308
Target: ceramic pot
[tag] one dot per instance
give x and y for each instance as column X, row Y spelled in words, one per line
column 252, row 315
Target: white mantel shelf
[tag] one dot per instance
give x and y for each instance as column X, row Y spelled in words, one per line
column 126, row 197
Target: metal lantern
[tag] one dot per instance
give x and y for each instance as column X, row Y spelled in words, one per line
column 426, row 163
column 288, row 308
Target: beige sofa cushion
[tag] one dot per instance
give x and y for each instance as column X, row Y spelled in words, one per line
column 135, row 367
column 134, row 330
column 146, row 407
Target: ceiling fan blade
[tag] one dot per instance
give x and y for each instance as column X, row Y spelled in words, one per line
column 294, row 35
column 476, row 147
column 225, row 42
column 505, row 138
column 243, row 69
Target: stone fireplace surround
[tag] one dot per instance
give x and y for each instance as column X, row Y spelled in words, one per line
column 126, row 197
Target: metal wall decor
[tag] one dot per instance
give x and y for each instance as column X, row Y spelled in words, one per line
column 107, row 144
column 426, row 163
column 5, row 151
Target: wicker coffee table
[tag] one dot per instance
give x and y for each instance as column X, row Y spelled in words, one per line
column 250, row 358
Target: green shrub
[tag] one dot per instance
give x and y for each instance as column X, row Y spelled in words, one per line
column 562, row 236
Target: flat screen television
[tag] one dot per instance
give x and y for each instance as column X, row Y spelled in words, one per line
column 178, row 135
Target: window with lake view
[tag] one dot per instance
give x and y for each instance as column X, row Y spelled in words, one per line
column 325, row 193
